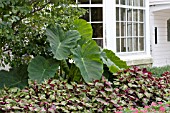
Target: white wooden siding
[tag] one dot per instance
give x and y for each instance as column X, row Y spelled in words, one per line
column 161, row 50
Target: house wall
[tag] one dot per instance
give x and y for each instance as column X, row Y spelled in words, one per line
column 161, row 50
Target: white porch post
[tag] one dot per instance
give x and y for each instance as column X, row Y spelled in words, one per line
column 147, row 30
column 110, row 21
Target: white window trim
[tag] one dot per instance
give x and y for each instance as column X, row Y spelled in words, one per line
column 110, row 12
column 147, row 30
column 111, row 26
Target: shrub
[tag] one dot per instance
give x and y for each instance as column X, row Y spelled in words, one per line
column 23, row 23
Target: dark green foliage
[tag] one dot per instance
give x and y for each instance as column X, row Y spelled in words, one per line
column 23, row 24
column 40, row 69
column 86, row 55
column 17, row 77
column 87, row 59
column 60, row 42
column 113, row 62
column 64, row 46
column 116, row 60
column 85, row 30
column 24, row 35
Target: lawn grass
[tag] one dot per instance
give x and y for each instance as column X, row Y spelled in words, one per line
column 158, row 71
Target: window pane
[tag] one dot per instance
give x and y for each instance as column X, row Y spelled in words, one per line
column 135, row 44
column 136, row 3
column 135, row 29
column 141, row 30
column 118, row 44
column 123, row 14
column 123, row 44
column 96, row 1
column 130, row 25
column 83, row 1
column 141, row 15
column 135, row 15
column 141, row 2
column 86, row 16
column 129, row 29
column 117, row 14
column 129, row 14
column 99, row 42
column 97, row 14
column 117, row 29
column 129, row 2
column 141, row 44
column 122, row 2
column 117, row 1
column 97, row 30
column 129, row 44
column 123, row 28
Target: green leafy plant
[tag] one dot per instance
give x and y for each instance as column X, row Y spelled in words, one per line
column 61, row 43
column 85, row 30
column 140, row 88
column 77, row 45
column 59, row 96
column 87, row 58
column 56, row 95
column 112, row 63
column 17, row 77
column 85, row 53
column 40, row 69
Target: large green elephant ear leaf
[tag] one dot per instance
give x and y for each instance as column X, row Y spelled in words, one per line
column 40, row 68
column 113, row 62
column 85, row 30
column 17, row 77
column 61, row 42
column 87, row 59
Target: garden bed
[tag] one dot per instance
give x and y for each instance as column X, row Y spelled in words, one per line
column 130, row 91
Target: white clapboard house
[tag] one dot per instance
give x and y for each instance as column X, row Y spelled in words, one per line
column 138, row 31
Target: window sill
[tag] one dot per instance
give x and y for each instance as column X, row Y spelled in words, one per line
column 137, row 60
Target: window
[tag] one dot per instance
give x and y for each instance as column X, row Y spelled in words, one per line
column 130, row 17
column 95, row 17
column 168, row 30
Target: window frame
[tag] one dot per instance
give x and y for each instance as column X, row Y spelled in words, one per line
column 130, row 39
column 109, row 27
